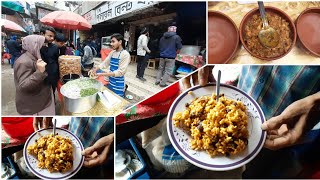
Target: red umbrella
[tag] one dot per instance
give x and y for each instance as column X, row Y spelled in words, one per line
column 11, row 26
column 66, row 20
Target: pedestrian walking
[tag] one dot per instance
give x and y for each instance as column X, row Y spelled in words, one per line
column 169, row 45
column 142, row 53
column 14, row 49
column 33, row 95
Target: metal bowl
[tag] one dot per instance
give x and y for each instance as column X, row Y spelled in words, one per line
column 74, row 103
column 190, row 50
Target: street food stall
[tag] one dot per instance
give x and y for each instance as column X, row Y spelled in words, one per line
column 79, row 95
column 85, row 96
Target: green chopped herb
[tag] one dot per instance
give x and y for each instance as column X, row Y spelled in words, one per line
column 88, row 92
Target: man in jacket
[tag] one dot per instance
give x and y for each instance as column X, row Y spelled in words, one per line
column 142, row 52
column 60, row 41
column 50, row 54
column 170, row 44
column 88, row 54
column 14, row 49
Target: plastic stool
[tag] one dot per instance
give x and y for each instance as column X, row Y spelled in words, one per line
column 152, row 64
column 133, row 59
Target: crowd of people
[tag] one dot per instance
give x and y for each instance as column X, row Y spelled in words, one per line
column 36, row 67
column 169, row 46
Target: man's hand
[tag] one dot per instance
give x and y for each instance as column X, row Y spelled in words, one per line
column 92, row 72
column 106, row 74
column 288, row 128
column 202, row 77
column 44, row 122
column 98, row 153
column 41, row 65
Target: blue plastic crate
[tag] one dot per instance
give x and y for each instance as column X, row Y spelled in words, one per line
column 8, row 160
column 142, row 173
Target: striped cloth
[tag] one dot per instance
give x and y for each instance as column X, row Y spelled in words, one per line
column 90, row 129
column 172, row 161
column 276, row 87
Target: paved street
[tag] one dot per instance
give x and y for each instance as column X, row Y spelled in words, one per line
column 8, row 91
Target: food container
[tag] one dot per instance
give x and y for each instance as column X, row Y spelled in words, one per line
column 18, row 127
column 69, row 77
column 223, row 38
column 130, row 144
column 76, row 104
column 308, row 30
column 190, row 50
column 69, row 65
column 276, row 11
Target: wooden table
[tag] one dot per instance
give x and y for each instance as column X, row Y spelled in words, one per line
column 237, row 11
column 99, row 109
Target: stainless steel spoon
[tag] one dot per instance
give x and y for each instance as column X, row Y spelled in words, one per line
column 268, row 36
column 54, row 126
column 218, row 85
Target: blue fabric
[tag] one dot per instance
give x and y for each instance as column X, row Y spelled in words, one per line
column 169, row 43
column 275, row 88
column 90, row 129
column 13, row 58
column 116, row 84
column 77, row 53
column 14, row 37
column 169, row 153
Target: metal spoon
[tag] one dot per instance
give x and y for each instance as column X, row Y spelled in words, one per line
column 218, row 85
column 54, row 126
column 268, row 36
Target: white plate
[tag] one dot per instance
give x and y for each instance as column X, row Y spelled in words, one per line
column 181, row 140
column 32, row 162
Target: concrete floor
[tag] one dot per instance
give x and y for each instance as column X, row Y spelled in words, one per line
column 8, row 91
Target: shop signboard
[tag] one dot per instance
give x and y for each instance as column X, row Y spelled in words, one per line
column 111, row 10
column 90, row 16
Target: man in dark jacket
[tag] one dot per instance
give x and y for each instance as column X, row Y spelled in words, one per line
column 50, row 54
column 14, row 49
column 60, row 41
column 170, row 44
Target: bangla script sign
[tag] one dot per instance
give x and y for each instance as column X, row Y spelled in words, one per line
column 109, row 11
column 90, row 17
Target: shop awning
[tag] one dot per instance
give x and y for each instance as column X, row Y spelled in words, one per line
column 11, row 26
column 13, row 5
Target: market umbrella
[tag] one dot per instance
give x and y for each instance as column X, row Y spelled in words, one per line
column 13, row 5
column 11, row 26
column 66, row 20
